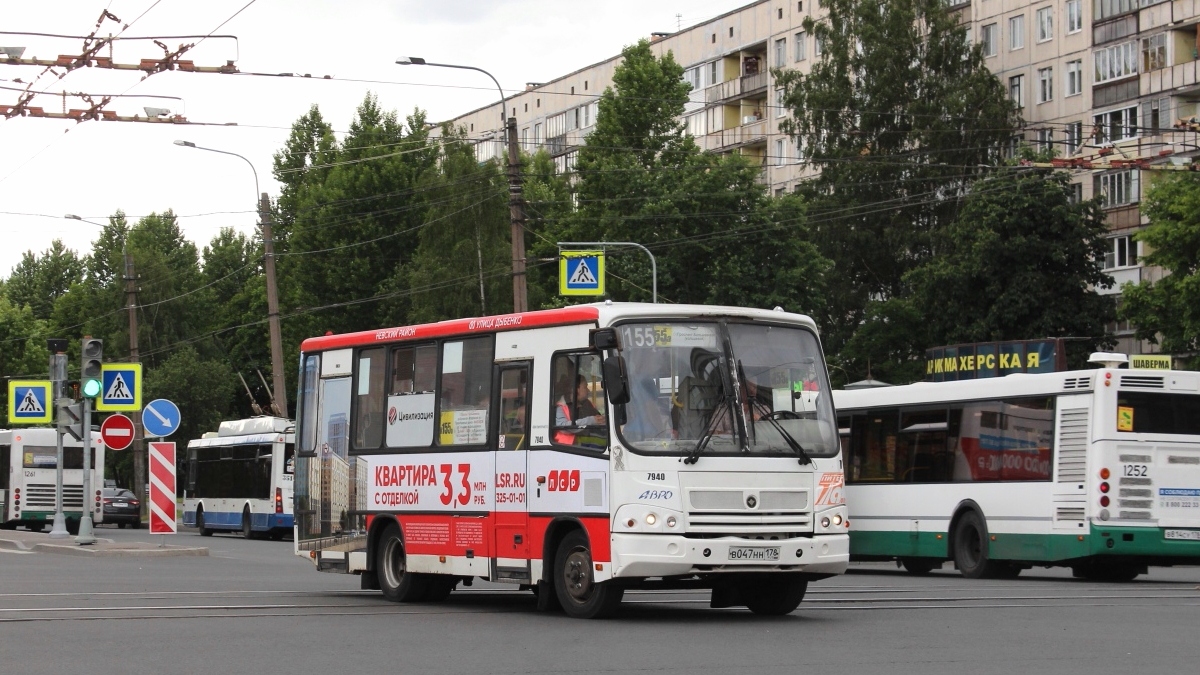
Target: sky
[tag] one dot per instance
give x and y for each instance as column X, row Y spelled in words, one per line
column 50, row 168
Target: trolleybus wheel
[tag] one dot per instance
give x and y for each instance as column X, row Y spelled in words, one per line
column 920, row 566
column 971, row 548
column 578, row 593
column 247, row 529
column 775, row 595
column 396, row 582
column 204, row 531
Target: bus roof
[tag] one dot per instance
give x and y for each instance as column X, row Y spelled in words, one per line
column 602, row 312
column 1017, row 384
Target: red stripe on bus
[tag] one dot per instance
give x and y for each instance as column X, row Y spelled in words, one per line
column 487, row 324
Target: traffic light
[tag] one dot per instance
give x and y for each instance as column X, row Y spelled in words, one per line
column 89, row 371
column 69, row 417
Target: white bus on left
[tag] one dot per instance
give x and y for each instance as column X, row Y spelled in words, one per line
column 28, row 468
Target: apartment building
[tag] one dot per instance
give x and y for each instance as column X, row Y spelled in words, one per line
column 1093, row 78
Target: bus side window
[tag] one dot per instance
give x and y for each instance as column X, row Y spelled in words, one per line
column 308, row 405
column 369, row 399
column 465, row 391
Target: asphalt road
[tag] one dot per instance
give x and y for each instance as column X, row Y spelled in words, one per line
column 253, row 607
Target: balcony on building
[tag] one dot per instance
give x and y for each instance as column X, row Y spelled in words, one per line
column 744, row 74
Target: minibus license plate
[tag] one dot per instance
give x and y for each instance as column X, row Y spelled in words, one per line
column 1189, row 535
column 754, row 553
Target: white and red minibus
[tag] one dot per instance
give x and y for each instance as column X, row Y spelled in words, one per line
column 579, row 452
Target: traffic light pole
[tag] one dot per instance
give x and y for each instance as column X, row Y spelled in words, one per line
column 85, row 521
column 58, row 375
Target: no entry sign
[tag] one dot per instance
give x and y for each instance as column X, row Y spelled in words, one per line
column 117, row 432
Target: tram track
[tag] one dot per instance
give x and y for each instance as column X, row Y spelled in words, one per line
column 226, row 604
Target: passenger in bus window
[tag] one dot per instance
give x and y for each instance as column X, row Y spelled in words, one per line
column 585, row 412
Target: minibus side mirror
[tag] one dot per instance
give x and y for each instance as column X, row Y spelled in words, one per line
column 616, row 383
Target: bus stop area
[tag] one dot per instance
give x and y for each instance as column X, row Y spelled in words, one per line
column 41, row 542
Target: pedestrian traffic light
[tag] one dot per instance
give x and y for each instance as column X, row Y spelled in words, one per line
column 89, row 372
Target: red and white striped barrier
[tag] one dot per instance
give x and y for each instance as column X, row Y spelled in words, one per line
column 162, row 488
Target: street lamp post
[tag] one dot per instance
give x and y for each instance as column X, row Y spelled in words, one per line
column 516, row 207
column 279, row 395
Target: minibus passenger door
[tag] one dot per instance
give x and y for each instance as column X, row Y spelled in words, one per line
column 510, row 438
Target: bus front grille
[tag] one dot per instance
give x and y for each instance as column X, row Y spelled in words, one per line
column 41, row 496
column 768, row 525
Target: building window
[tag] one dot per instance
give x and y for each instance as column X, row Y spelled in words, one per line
column 1122, row 252
column 1156, row 114
column 712, row 73
column 1106, row 8
column 780, row 109
column 1115, row 62
column 1045, row 24
column 1045, row 85
column 1074, row 77
column 1016, row 90
column 1045, row 140
column 1116, row 125
column 1074, row 140
column 1074, row 16
column 988, row 38
column 696, row 125
column 1118, row 189
column 537, row 134
column 801, row 44
column 1075, row 193
column 694, row 76
column 1016, row 32
column 1154, row 52
column 780, row 152
column 818, row 46
column 780, row 52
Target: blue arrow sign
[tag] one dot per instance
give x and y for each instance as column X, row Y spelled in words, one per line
column 160, row 418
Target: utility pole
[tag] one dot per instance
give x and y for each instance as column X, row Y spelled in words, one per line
column 279, row 397
column 58, row 376
column 139, row 459
column 516, row 214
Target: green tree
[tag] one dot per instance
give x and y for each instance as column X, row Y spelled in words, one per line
column 1167, row 311
column 896, row 115
column 719, row 238
column 463, row 262
column 234, row 274
column 351, row 219
column 38, row 281
column 23, row 354
column 1021, row 261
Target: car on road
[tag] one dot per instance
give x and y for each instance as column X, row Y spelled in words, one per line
column 122, row 507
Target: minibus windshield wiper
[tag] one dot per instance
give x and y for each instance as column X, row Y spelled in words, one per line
column 719, row 410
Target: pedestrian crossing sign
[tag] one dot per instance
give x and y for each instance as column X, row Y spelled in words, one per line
column 120, row 387
column 581, row 273
column 30, row 402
